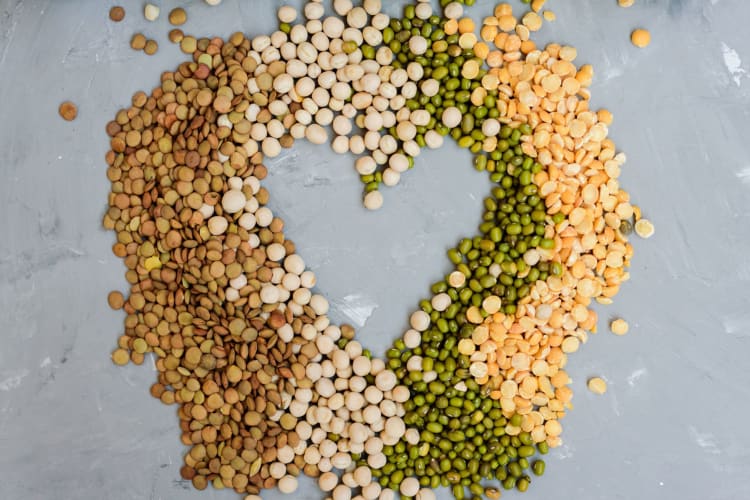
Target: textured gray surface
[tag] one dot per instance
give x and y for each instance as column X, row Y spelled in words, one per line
column 672, row 425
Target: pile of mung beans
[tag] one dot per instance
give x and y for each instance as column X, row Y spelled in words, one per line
column 266, row 386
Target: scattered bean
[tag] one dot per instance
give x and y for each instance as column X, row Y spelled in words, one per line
column 68, row 111
column 619, row 327
column 177, row 16
column 117, row 13
column 151, row 12
column 138, row 42
column 641, row 38
column 597, row 385
column 644, row 228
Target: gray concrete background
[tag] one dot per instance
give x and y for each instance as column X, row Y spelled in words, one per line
column 673, row 424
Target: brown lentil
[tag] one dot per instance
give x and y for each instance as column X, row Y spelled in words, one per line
column 117, row 13
column 176, row 35
column 138, row 42
column 177, row 16
column 68, row 111
column 151, row 47
column 120, row 357
column 115, row 300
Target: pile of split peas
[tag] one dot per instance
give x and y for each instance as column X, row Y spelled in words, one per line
column 266, row 386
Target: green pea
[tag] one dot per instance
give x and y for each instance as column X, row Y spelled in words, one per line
column 538, row 467
column 514, row 469
column 476, row 489
column 458, row 492
column 465, row 141
column 368, row 52
column 547, row 243
column 456, row 436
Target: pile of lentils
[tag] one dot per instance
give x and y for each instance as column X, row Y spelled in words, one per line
column 266, row 386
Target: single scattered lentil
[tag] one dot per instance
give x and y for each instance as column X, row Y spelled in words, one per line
column 117, row 13
column 177, row 16
column 176, row 35
column 151, row 47
column 138, row 41
column 115, row 300
column 120, row 357
column 68, row 111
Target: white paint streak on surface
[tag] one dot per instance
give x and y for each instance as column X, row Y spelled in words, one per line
column 705, row 440
column 744, row 175
column 6, row 37
column 737, row 325
column 357, row 307
column 733, row 63
column 615, row 405
column 565, row 451
column 636, row 375
column 610, row 73
column 13, row 381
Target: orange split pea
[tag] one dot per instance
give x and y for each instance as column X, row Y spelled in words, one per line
column 503, row 9
column 536, row 5
column 465, row 25
column 481, row 50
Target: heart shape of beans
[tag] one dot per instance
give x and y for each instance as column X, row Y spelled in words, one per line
column 266, row 386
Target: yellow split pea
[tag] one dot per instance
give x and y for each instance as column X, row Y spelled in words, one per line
column 532, row 20
column 640, row 38
column 597, row 385
column 644, row 228
column 619, row 327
